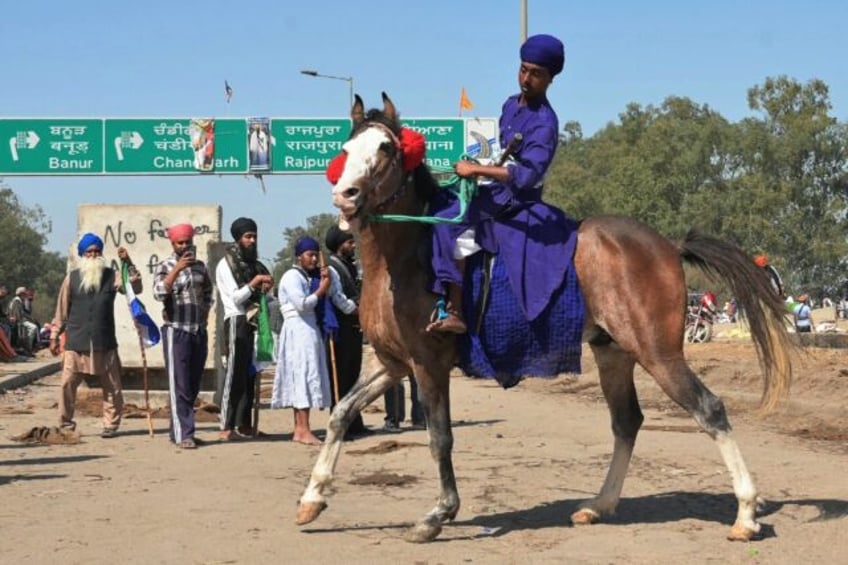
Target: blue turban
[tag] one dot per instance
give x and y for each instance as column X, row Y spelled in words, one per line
column 87, row 241
column 305, row 243
column 544, row 50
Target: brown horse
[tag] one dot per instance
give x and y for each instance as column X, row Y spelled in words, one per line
column 634, row 288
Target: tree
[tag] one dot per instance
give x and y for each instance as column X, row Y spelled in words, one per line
column 23, row 232
column 798, row 155
column 23, row 262
column 774, row 183
column 652, row 165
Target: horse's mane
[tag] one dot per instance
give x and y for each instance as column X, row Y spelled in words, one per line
column 425, row 185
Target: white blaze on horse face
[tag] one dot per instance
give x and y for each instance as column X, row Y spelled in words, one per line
column 362, row 154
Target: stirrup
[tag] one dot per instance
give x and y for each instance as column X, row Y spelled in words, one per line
column 445, row 320
column 440, row 312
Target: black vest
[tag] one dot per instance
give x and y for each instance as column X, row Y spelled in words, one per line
column 91, row 320
column 350, row 288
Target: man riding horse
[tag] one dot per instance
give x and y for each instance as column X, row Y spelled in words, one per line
column 509, row 203
column 379, row 176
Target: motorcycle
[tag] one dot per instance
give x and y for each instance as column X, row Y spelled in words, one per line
column 699, row 320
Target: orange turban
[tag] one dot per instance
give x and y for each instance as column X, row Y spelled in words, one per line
column 181, row 232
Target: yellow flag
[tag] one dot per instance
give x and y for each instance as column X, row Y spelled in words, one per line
column 464, row 102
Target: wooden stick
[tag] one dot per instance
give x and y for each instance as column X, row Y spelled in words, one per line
column 144, row 379
column 333, row 368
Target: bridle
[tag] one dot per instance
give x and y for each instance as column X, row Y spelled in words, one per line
column 382, row 173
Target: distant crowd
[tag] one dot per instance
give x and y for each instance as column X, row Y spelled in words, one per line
column 20, row 333
column 799, row 306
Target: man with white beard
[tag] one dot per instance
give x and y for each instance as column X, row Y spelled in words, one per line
column 85, row 313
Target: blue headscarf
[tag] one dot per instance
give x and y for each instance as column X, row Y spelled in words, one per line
column 305, row 243
column 324, row 312
column 87, row 241
column 544, row 50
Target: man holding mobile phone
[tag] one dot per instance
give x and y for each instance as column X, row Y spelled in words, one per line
column 183, row 284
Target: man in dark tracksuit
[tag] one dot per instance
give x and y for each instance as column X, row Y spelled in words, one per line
column 183, row 284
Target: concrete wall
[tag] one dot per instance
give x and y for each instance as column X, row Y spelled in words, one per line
column 141, row 230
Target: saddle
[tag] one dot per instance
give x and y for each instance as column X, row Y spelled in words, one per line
column 502, row 343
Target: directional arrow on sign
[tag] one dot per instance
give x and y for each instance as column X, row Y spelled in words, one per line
column 30, row 141
column 136, row 140
column 133, row 141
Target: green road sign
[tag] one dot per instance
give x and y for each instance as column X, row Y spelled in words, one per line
column 445, row 139
column 51, row 146
column 175, row 145
column 169, row 146
column 306, row 145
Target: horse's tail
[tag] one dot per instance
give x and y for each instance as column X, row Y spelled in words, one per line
column 763, row 308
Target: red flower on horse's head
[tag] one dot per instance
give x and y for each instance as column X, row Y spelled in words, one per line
column 336, row 167
column 414, row 147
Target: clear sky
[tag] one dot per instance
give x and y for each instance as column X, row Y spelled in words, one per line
column 158, row 58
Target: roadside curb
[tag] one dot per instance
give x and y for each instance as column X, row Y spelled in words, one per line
column 10, row 382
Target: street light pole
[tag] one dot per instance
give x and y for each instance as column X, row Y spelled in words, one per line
column 348, row 80
column 523, row 21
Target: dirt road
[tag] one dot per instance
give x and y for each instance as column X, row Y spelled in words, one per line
column 523, row 458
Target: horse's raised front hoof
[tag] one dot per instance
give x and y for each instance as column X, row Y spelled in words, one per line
column 740, row 532
column 309, row 511
column 585, row 517
column 423, row 532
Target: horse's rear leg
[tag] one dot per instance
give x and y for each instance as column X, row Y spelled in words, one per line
column 436, row 400
column 363, row 393
column 615, row 369
column 683, row 386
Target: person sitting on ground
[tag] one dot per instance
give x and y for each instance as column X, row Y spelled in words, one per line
column 26, row 330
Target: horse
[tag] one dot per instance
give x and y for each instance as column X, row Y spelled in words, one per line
column 633, row 283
